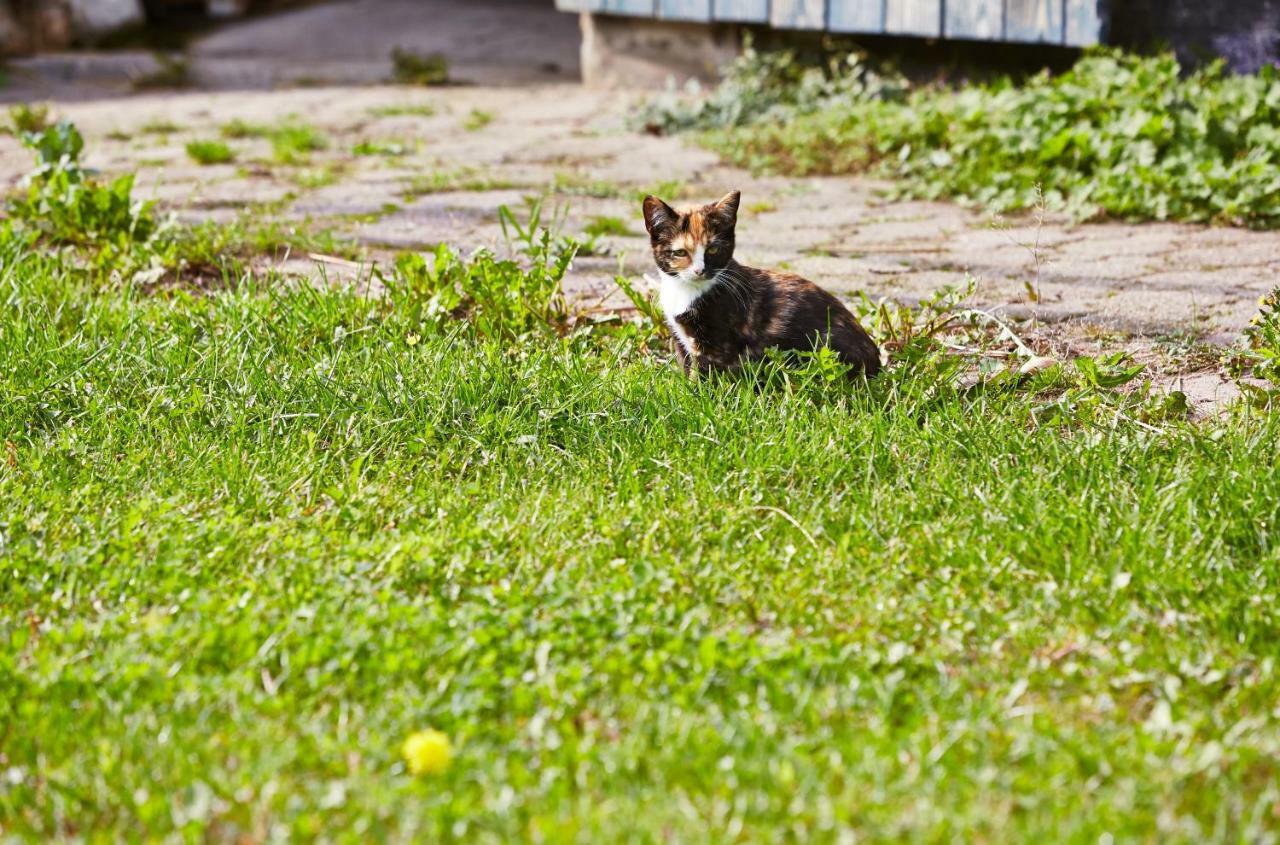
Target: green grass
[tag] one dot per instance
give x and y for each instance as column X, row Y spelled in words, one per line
column 254, row 233
column 107, row 238
column 1259, row 353
column 602, row 225
column 477, row 120
column 410, row 68
column 29, row 117
column 64, row 205
column 318, row 177
column 159, row 126
column 572, row 183
column 292, row 142
column 1116, row 136
column 237, row 129
column 463, row 179
column 254, row 539
column 255, row 534
column 172, row 71
column 391, row 148
column 406, row 110
column 210, row 152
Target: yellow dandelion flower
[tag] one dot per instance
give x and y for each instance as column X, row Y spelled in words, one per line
column 427, row 752
column 412, row 338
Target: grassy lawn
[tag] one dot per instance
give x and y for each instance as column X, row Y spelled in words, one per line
column 256, row 532
column 255, row 538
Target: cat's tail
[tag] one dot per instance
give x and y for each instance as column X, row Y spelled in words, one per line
column 858, row 349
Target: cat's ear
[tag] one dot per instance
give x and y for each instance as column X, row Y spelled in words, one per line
column 657, row 215
column 727, row 207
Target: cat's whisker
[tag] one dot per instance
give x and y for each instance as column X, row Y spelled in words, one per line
column 736, row 285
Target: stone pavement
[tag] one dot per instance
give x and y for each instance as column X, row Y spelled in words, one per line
column 1158, row 290
column 348, row 42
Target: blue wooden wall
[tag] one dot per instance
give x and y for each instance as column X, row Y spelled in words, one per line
column 1075, row 23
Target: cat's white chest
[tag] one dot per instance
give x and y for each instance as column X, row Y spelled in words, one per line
column 675, row 295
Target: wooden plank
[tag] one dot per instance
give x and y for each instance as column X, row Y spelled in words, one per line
column 980, row 20
column 1033, row 20
column 1084, row 23
column 913, row 17
column 742, row 11
column 856, row 16
column 684, row 10
column 798, row 14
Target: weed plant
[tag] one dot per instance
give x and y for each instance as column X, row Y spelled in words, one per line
column 1118, row 135
column 210, row 152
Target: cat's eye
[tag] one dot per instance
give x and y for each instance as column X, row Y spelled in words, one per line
column 713, row 250
column 678, row 253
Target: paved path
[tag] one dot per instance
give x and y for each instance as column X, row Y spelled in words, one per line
column 490, row 43
column 1156, row 289
column 339, row 42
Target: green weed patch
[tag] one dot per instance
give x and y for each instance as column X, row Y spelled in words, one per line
column 210, row 152
column 405, row 110
column 102, row 232
column 66, row 205
column 29, row 117
column 410, row 68
column 1258, row 354
column 291, row 142
column 381, row 148
column 1117, row 136
column 477, row 119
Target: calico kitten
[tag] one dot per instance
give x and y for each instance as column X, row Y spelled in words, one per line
column 723, row 313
